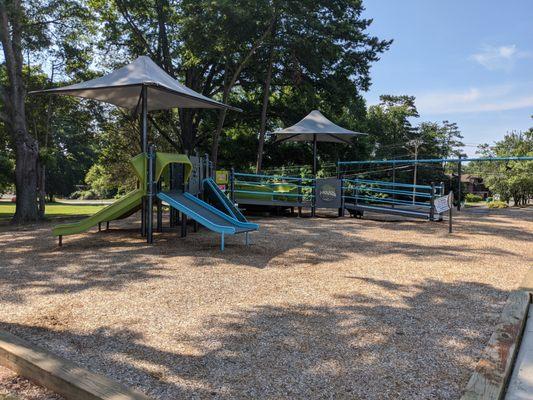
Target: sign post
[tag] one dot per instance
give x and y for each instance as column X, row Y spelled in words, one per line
column 450, row 206
column 221, row 179
column 328, row 193
column 443, row 204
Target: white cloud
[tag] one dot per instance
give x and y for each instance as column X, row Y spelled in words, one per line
column 476, row 99
column 499, row 57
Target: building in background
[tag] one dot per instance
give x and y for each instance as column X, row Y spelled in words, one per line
column 474, row 184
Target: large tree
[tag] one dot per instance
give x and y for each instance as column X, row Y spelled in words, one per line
column 319, row 56
column 13, row 94
column 250, row 53
column 511, row 180
column 37, row 29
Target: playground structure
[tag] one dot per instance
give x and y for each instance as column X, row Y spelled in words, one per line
column 416, row 201
column 176, row 181
column 256, row 190
column 354, row 190
column 140, row 87
column 393, row 168
column 354, row 195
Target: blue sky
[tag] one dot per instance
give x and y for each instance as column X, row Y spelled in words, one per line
column 469, row 62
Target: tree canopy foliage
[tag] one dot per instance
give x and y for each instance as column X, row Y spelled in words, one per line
column 275, row 59
column 511, row 180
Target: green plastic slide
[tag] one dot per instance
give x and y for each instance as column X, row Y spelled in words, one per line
column 119, row 209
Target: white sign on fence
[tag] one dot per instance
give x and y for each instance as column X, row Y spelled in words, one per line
column 443, row 203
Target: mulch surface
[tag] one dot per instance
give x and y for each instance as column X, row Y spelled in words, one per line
column 378, row 308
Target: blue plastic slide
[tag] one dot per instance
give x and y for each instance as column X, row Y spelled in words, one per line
column 219, row 199
column 207, row 215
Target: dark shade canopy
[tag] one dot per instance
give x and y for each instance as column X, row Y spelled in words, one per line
column 123, row 88
column 141, row 85
column 315, row 127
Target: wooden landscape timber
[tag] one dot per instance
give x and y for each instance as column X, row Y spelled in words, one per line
column 59, row 375
column 527, row 283
column 489, row 381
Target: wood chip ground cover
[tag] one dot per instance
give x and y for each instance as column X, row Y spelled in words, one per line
column 315, row 308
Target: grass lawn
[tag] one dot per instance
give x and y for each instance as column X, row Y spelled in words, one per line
column 53, row 210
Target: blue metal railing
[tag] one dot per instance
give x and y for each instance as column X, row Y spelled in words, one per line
column 278, row 188
column 435, row 160
column 386, row 183
column 365, row 192
column 287, row 178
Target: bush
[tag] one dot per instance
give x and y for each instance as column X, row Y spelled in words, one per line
column 84, row 195
column 101, row 182
column 498, row 204
column 489, row 199
column 473, row 198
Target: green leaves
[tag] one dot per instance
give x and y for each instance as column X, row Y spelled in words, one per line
column 512, row 179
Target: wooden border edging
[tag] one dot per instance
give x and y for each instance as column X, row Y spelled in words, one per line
column 527, row 282
column 493, row 370
column 59, row 375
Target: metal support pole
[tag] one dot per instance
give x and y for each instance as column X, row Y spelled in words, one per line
column 232, row 185
column 144, row 145
column 393, row 183
column 107, row 225
column 314, row 155
column 341, row 210
column 150, row 197
column 432, row 203
column 313, row 199
column 144, row 118
column 222, row 242
column 300, row 197
column 459, row 165
column 183, row 225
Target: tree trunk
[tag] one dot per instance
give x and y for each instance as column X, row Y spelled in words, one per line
column 221, row 116
column 187, row 129
column 13, row 96
column 41, row 182
column 266, row 95
column 27, row 152
column 216, row 137
column 229, row 86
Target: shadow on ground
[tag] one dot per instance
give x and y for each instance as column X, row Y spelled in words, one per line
column 419, row 347
column 112, row 259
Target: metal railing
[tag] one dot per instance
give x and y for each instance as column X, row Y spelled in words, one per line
column 404, row 196
column 275, row 188
column 248, row 188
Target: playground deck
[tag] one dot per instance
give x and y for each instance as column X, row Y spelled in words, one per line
column 324, row 307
